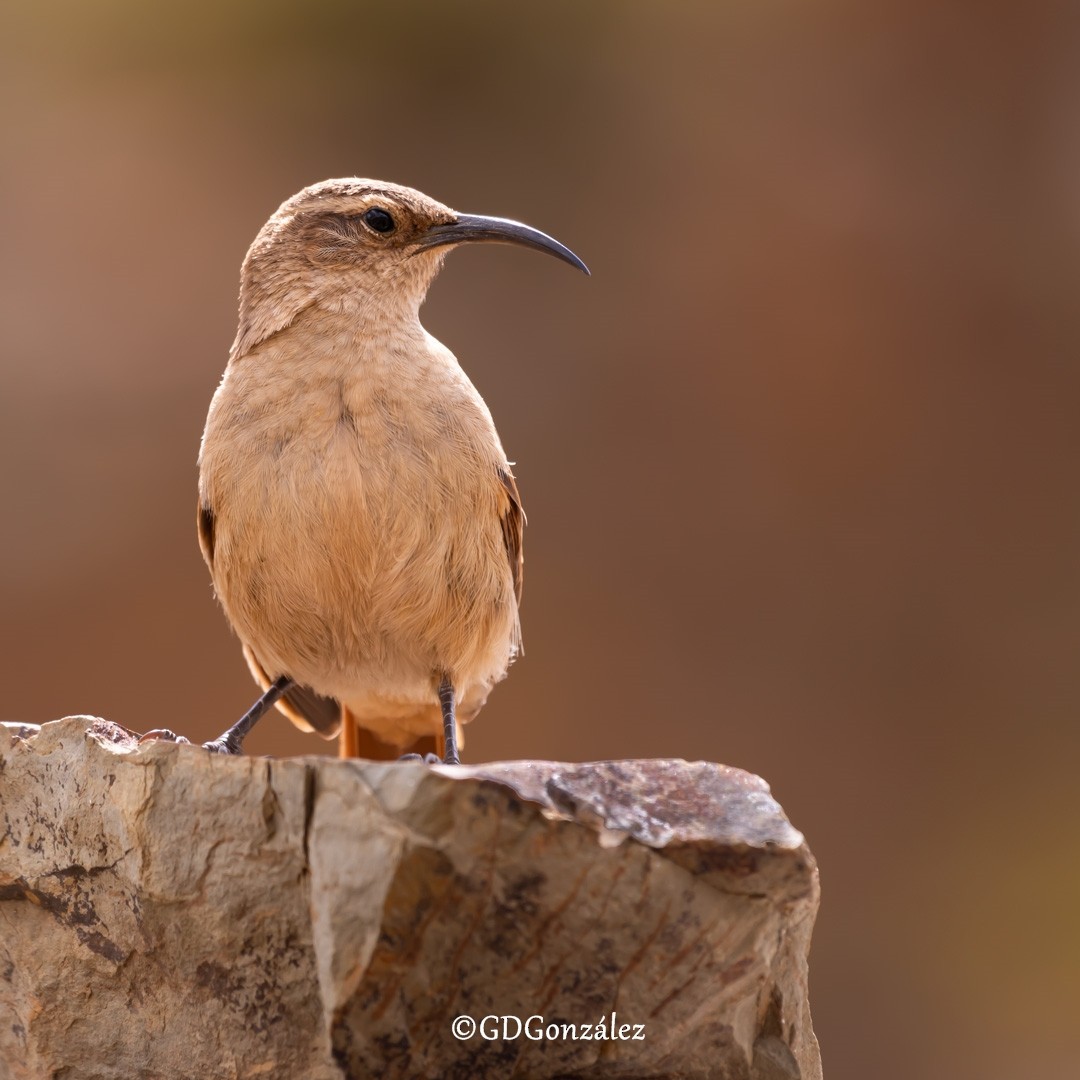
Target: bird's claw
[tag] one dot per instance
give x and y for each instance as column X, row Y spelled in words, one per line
column 216, row 746
column 162, row 735
column 427, row 759
column 222, row 745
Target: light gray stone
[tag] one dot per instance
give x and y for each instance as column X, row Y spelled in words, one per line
column 165, row 912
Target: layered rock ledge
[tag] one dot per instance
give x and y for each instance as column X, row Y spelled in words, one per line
column 165, row 912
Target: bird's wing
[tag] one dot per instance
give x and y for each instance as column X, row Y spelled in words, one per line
column 513, row 528
column 206, row 533
column 306, row 709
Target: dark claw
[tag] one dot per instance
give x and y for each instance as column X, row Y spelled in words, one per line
column 427, row 759
column 222, row 746
column 164, row 735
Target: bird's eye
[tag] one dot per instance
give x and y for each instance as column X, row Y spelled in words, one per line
column 379, row 220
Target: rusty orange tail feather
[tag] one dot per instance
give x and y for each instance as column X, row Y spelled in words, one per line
column 356, row 741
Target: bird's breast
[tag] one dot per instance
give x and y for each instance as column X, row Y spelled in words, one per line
column 358, row 512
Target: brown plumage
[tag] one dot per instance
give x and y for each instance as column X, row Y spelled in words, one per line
column 356, row 508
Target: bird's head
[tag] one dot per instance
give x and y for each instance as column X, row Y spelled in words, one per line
column 361, row 245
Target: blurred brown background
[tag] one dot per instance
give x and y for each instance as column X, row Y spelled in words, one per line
column 799, row 460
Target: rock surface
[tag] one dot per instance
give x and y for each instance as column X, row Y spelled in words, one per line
column 165, row 912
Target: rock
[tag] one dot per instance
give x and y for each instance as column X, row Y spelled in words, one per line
column 171, row 913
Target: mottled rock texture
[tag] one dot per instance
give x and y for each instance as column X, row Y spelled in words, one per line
column 165, row 912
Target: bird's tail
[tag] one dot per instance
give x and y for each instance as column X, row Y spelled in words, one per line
column 356, row 741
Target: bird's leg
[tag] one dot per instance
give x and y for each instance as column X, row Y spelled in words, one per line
column 230, row 742
column 449, row 721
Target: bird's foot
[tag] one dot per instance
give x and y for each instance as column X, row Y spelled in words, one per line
column 427, row 759
column 164, row 735
column 223, row 745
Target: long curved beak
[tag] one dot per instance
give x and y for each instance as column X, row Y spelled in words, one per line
column 470, row 228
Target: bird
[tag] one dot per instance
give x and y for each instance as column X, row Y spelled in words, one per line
column 359, row 517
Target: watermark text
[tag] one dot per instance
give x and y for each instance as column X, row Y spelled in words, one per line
column 509, row 1028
